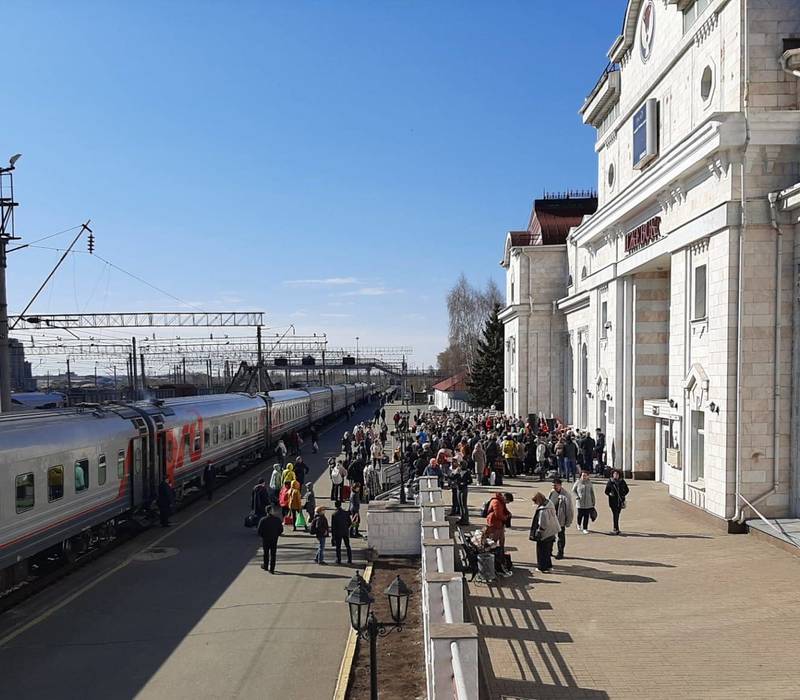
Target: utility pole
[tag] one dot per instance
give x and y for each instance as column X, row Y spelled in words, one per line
column 69, row 385
column 144, row 380
column 133, row 367
column 184, row 370
column 7, row 205
column 260, row 359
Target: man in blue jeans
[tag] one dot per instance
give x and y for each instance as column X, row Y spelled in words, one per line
column 570, row 457
column 319, row 528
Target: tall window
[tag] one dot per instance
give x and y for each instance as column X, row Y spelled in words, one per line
column 511, row 301
column 698, row 445
column 603, row 319
column 699, row 292
column 584, row 386
column 691, row 13
column 24, row 485
column 101, row 470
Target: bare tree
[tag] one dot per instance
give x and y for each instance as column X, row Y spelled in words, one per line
column 467, row 309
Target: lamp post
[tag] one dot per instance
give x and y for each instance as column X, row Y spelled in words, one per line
column 366, row 625
column 7, row 205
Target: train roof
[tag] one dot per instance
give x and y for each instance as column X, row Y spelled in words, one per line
column 287, row 394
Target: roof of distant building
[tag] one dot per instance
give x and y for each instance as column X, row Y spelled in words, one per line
column 458, row 382
column 552, row 217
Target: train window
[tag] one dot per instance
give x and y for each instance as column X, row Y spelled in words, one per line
column 120, row 464
column 55, row 483
column 81, row 475
column 137, row 460
column 230, row 431
column 197, row 442
column 216, row 434
column 244, row 426
column 101, row 470
column 207, row 437
column 25, row 492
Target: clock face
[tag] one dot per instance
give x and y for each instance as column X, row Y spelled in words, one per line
column 647, row 29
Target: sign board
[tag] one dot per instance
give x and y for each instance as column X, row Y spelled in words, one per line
column 642, row 236
column 673, row 457
column 645, row 134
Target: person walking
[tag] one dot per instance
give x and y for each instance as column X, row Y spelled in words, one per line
column 319, row 528
column 585, row 501
column 166, row 497
column 337, row 474
column 510, row 455
column 617, row 491
column 275, row 483
column 209, row 480
column 570, row 457
column 310, row 506
column 562, row 502
column 281, row 451
column 259, row 499
column 340, row 532
column 544, row 530
column 295, row 502
column 300, row 470
column 355, row 510
column 288, row 474
column 270, row 528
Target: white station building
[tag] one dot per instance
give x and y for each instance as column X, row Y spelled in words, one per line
column 682, row 307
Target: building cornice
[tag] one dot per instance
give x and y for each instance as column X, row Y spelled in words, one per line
column 720, row 132
column 570, row 304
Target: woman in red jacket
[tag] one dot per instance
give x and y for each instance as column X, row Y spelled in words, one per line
column 498, row 519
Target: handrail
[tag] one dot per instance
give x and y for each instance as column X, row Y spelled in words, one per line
column 772, row 525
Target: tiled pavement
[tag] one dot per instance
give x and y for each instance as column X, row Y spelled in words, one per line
column 673, row 608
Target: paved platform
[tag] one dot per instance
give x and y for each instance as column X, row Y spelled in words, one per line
column 785, row 530
column 672, row 608
column 189, row 613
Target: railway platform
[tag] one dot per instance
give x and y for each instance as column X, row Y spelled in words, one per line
column 187, row 612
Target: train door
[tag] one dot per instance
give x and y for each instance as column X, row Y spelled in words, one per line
column 138, row 452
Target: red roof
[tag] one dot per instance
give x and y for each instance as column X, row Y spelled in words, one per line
column 458, row 382
column 552, row 218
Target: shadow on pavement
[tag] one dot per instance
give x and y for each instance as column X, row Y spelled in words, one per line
column 625, row 562
column 510, row 623
column 589, row 572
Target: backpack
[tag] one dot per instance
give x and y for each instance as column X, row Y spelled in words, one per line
column 485, row 509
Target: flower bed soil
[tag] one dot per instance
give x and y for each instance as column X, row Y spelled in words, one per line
column 401, row 655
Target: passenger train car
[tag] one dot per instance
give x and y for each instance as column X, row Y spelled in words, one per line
column 71, row 475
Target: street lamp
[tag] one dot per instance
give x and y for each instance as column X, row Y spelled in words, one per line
column 364, row 622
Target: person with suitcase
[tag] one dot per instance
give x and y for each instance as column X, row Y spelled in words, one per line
column 270, row 529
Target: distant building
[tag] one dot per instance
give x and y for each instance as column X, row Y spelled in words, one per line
column 21, row 377
column 535, row 332
column 452, row 393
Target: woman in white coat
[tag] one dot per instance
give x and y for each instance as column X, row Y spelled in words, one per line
column 584, row 500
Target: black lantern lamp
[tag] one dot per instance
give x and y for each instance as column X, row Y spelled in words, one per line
column 398, row 594
column 364, row 622
column 357, row 581
column 360, row 602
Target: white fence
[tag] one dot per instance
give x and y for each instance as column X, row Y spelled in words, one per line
column 451, row 645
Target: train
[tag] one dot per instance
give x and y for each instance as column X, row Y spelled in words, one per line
column 70, row 477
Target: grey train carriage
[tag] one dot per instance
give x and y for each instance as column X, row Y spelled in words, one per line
column 70, row 476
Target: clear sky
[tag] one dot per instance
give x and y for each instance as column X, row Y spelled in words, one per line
column 334, row 164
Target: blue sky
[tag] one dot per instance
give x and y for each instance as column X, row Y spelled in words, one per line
column 334, row 164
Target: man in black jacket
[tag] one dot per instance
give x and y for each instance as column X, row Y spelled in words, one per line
column 166, row 497
column 270, row 528
column 340, row 533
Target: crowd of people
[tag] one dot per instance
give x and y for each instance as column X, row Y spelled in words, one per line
column 458, row 450
column 488, row 448
column 287, row 499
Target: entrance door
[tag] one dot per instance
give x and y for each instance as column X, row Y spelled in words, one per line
column 603, row 414
column 663, row 445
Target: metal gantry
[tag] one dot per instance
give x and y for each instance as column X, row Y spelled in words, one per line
column 158, row 319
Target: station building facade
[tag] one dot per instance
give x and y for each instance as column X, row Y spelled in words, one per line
column 681, row 310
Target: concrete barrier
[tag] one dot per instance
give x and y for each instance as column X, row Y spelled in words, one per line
column 451, row 645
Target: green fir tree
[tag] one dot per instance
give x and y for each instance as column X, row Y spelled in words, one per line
column 486, row 375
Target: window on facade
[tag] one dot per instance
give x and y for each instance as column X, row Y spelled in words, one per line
column 512, row 292
column 101, row 470
column 55, row 483
column 691, row 13
column 25, row 492
column 120, row 464
column 698, row 445
column 81, row 475
column 603, row 319
column 699, row 292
